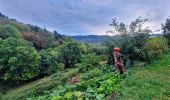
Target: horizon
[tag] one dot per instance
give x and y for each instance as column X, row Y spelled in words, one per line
column 85, row 17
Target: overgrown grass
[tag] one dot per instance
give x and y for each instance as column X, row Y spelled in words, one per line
column 38, row 87
column 150, row 82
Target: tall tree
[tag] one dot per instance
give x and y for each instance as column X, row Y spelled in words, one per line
column 130, row 38
column 166, row 29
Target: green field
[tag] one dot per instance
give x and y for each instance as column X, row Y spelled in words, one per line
column 150, row 82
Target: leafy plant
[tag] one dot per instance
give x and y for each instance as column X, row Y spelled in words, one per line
column 18, row 60
column 9, row 31
column 69, row 54
column 49, row 61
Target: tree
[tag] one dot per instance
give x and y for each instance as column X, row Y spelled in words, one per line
column 49, row 61
column 130, row 38
column 18, row 60
column 70, row 54
column 9, row 31
column 166, row 29
column 2, row 15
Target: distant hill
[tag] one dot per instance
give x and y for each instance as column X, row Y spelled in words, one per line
column 97, row 39
column 92, row 38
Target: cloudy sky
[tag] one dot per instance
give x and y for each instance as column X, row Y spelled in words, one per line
column 84, row 17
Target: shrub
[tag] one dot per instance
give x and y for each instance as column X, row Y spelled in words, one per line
column 91, row 59
column 18, row 60
column 152, row 52
column 36, row 38
column 9, row 31
column 166, row 30
column 107, row 68
column 88, row 62
column 161, row 41
column 69, row 54
column 41, row 38
column 49, row 61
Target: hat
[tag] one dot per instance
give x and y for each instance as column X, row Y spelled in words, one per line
column 116, row 49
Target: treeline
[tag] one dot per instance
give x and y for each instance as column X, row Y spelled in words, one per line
column 28, row 51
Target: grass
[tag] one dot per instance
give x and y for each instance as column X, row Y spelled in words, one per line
column 151, row 82
column 38, row 87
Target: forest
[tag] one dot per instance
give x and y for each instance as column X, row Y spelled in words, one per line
column 37, row 64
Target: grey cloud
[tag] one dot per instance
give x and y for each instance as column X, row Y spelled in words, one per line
column 83, row 16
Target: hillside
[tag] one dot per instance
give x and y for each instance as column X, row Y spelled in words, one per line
column 40, row 37
column 92, row 38
column 99, row 39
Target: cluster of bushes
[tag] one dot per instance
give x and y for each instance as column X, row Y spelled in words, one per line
column 27, row 55
column 21, row 60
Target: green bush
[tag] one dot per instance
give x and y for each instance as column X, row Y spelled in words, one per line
column 9, row 31
column 69, row 54
column 154, row 49
column 152, row 52
column 107, row 68
column 163, row 42
column 49, row 63
column 166, row 30
column 88, row 62
column 18, row 61
column 91, row 74
column 91, row 59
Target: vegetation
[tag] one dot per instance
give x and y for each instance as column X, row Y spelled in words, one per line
column 131, row 38
column 166, row 29
column 70, row 54
column 9, row 31
column 148, row 82
column 18, row 60
column 38, row 64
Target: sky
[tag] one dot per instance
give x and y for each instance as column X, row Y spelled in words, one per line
column 85, row 17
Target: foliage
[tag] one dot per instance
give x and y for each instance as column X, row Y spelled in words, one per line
column 95, row 88
column 107, row 68
column 9, row 31
column 91, row 59
column 41, row 38
column 152, row 52
column 49, row 62
column 95, row 72
column 2, row 15
column 161, row 41
column 69, row 54
column 97, row 50
column 40, row 86
column 88, row 62
column 131, row 39
column 154, row 49
column 36, row 38
column 84, row 47
column 18, row 60
column 148, row 82
column 166, row 29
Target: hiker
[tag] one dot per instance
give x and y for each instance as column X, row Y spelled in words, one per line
column 118, row 60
